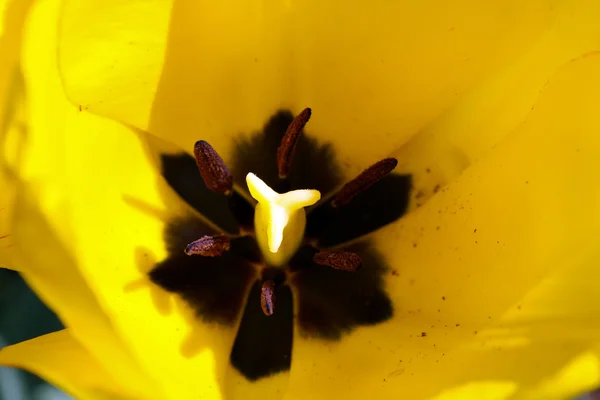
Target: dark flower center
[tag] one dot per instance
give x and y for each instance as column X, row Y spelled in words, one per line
column 216, row 273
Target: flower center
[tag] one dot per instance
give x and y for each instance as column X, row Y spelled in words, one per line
column 279, row 218
column 323, row 279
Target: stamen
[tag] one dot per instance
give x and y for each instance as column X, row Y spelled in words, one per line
column 287, row 148
column 209, row 246
column 212, row 168
column 343, row 260
column 363, row 181
column 267, row 297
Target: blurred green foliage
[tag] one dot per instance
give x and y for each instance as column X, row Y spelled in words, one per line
column 23, row 316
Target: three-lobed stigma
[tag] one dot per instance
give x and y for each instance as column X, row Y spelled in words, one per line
column 279, row 219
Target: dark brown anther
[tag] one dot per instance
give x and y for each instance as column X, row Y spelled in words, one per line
column 215, row 173
column 287, row 148
column 363, row 181
column 209, row 246
column 267, row 297
column 343, row 260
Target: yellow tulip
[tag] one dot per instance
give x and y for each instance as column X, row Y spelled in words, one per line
column 484, row 289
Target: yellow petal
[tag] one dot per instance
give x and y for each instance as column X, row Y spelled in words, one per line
column 487, row 390
column 61, row 360
column 10, row 142
column 374, row 75
column 40, row 244
column 12, row 15
column 50, row 270
column 122, row 45
column 478, row 121
column 7, row 187
column 273, row 387
column 93, row 184
column 493, row 278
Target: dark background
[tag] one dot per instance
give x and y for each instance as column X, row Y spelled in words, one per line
column 23, row 316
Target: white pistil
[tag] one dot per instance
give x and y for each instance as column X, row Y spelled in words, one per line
column 279, row 219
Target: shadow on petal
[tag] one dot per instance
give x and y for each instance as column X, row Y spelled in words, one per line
column 215, row 287
column 181, row 173
column 381, row 204
column 263, row 345
column 331, row 302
